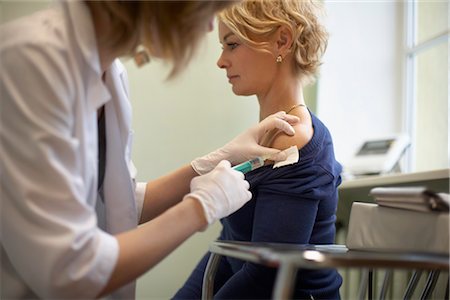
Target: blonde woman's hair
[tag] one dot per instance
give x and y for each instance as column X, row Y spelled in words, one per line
column 255, row 21
column 169, row 29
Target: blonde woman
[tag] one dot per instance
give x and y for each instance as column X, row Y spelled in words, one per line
column 272, row 49
column 69, row 205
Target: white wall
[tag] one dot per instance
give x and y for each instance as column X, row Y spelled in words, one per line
column 360, row 88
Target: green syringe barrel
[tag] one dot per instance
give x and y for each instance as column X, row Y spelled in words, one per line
column 250, row 165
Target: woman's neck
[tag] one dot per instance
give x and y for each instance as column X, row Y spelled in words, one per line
column 282, row 96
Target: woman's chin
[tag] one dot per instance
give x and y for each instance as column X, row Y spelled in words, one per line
column 241, row 92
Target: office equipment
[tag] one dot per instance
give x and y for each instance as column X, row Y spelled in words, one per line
column 378, row 156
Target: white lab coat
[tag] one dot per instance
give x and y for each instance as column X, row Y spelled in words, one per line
column 56, row 235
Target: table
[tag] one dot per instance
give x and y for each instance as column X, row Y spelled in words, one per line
column 358, row 189
column 288, row 258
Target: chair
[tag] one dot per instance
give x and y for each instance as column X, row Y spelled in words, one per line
column 288, row 258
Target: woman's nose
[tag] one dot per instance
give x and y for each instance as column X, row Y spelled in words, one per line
column 221, row 62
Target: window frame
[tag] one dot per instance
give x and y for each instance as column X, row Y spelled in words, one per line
column 412, row 49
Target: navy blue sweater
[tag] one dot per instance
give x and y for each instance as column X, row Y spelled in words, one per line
column 293, row 204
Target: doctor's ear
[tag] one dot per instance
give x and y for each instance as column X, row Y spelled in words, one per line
column 284, row 39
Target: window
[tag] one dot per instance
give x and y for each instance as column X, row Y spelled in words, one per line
column 427, row 74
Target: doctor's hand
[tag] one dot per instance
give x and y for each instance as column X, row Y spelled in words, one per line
column 220, row 192
column 247, row 146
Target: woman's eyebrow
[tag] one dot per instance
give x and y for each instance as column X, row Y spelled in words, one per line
column 227, row 36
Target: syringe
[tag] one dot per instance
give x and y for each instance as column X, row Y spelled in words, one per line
column 250, row 165
column 292, row 157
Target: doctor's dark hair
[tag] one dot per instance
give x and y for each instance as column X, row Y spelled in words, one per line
column 170, row 30
column 255, row 21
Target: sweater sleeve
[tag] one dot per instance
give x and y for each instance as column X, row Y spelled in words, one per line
column 289, row 208
column 280, row 216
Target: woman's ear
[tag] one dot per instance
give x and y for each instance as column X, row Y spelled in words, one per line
column 284, row 40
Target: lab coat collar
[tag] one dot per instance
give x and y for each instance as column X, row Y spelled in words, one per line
column 81, row 28
column 84, row 33
column 117, row 81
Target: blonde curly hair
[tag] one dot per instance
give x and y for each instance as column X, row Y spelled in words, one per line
column 254, row 21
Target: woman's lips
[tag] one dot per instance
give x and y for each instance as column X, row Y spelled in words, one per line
column 232, row 77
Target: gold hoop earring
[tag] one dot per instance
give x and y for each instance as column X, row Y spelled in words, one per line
column 279, row 59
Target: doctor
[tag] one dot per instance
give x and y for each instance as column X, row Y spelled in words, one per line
column 69, row 205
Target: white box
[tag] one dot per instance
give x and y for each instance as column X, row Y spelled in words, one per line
column 373, row 227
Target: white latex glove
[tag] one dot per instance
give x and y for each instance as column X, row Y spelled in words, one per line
column 246, row 145
column 220, row 192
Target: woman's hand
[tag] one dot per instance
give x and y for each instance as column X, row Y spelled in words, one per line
column 247, row 145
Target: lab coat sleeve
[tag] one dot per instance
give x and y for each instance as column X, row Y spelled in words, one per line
column 140, row 196
column 49, row 231
column 139, row 187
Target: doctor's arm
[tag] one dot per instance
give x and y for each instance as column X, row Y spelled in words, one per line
column 160, row 193
column 213, row 196
column 153, row 241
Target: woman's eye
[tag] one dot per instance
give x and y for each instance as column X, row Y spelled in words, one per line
column 232, row 45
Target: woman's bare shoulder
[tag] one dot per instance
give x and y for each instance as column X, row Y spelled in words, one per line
column 303, row 134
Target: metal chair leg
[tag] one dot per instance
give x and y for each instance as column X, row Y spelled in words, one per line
column 412, row 284
column 208, row 277
column 430, row 284
column 446, row 289
column 370, row 285
column 386, row 282
column 284, row 282
column 363, row 284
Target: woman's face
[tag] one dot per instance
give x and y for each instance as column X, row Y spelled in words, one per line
column 249, row 71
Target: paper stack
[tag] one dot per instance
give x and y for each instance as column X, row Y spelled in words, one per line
column 412, row 198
